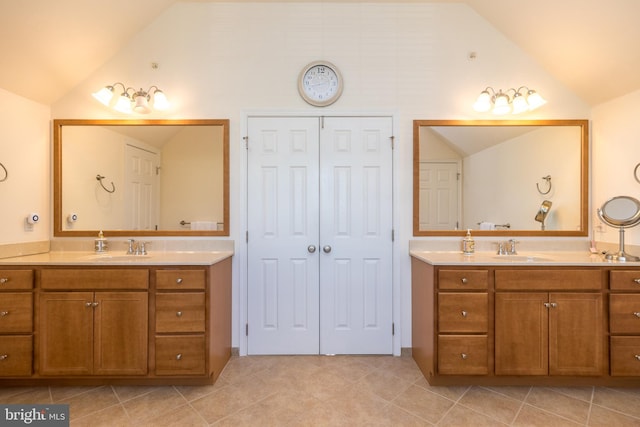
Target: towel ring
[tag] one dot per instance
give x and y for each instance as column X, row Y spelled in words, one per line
column 548, row 179
column 113, row 187
column 6, row 174
column 635, row 172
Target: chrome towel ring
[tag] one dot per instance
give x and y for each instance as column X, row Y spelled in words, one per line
column 548, row 179
column 113, row 187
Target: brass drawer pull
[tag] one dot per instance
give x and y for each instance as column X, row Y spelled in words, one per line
column 637, row 356
column 636, row 313
column 179, row 356
column 178, row 313
column 3, row 313
column 3, row 280
column 6, row 356
column 464, row 280
column 179, row 280
column 464, row 356
column 637, row 281
column 88, row 304
column 464, row 313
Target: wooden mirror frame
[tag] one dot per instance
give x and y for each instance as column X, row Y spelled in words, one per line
column 584, row 177
column 58, row 124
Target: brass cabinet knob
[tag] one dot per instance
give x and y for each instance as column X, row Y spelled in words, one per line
column 178, row 313
column 637, row 281
column 464, row 313
column 464, row 280
column 3, row 313
column 637, row 356
column 179, row 356
column 464, row 356
column 3, row 280
column 4, row 356
column 636, row 313
column 179, row 280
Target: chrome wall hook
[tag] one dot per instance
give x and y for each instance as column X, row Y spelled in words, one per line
column 548, row 179
column 113, row 187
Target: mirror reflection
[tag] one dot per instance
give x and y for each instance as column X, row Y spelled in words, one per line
column 141, row 177
column 493, row 176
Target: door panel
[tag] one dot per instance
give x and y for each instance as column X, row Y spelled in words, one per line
column 282, row 223
column 320, row 244
column 356, row 223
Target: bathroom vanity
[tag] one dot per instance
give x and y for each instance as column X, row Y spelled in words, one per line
column 547, row 319
column 78, row 318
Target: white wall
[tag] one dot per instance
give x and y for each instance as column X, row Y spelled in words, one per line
column 221, row 60
column 615, row 154
column 24, row 151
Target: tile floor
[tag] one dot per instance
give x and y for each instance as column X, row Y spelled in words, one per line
column 335, row 391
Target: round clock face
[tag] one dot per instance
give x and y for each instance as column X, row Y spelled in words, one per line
column 320, row 83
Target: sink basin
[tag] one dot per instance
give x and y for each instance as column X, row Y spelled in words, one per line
column 522, row 258
column 108, row 257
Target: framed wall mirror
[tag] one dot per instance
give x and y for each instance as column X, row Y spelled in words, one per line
column 492, row 176
column 141, row 177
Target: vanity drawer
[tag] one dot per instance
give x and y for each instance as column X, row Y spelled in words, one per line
column 624, row 313
column 180, row 279
column 463, row 355
column 463, row 279
column 625, row 356
column 16, row 312
column 98, row 278
column 180, row 355
column 624, row 280
column 180, row 312
column 463, row 312
column 16, row 279
column 16, row 355
column 548, row 280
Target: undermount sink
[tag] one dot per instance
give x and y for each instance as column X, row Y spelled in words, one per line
column 522, row 258
column 109, row 257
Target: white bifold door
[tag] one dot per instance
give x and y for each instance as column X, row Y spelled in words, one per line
column 320, row 235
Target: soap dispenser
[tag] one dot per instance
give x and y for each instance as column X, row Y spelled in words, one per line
column 101, row 243
column 468, row 244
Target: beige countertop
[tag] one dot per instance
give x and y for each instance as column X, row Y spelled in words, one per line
column 541, row 258
column 86, row 258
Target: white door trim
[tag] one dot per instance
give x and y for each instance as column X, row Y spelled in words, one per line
column 240, row 253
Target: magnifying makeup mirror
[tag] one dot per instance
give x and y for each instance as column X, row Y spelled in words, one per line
column 620, row 212
column 542, row 213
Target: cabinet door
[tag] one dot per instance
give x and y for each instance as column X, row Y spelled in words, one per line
column 521, row 333
column 121, row 330
column 576, row 334
column 66, row 333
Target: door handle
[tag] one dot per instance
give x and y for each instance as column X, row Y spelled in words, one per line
column 311, row 249
column 326, row 249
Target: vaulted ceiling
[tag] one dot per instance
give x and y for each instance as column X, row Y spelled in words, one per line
column 591, row 46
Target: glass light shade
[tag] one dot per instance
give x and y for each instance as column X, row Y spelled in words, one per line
column 535, row 100
column 123, row 104
column 141, row 103
column 501, row 105
column 483, row 103
column 104, row 95
column 160, row 101
column 519, row 104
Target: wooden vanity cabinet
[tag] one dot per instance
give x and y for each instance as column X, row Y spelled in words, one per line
column 624, row 320
column 127, row 325
column 16, row 322
column 543, row 325
column 93, row 332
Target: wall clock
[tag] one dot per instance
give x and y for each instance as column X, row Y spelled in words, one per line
column 320, row 83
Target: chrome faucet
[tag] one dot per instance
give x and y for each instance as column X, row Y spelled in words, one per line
column 133, row 247
column 508, row 247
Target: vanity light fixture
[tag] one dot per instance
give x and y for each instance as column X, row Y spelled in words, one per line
column 131, row 100
column 523, row 99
